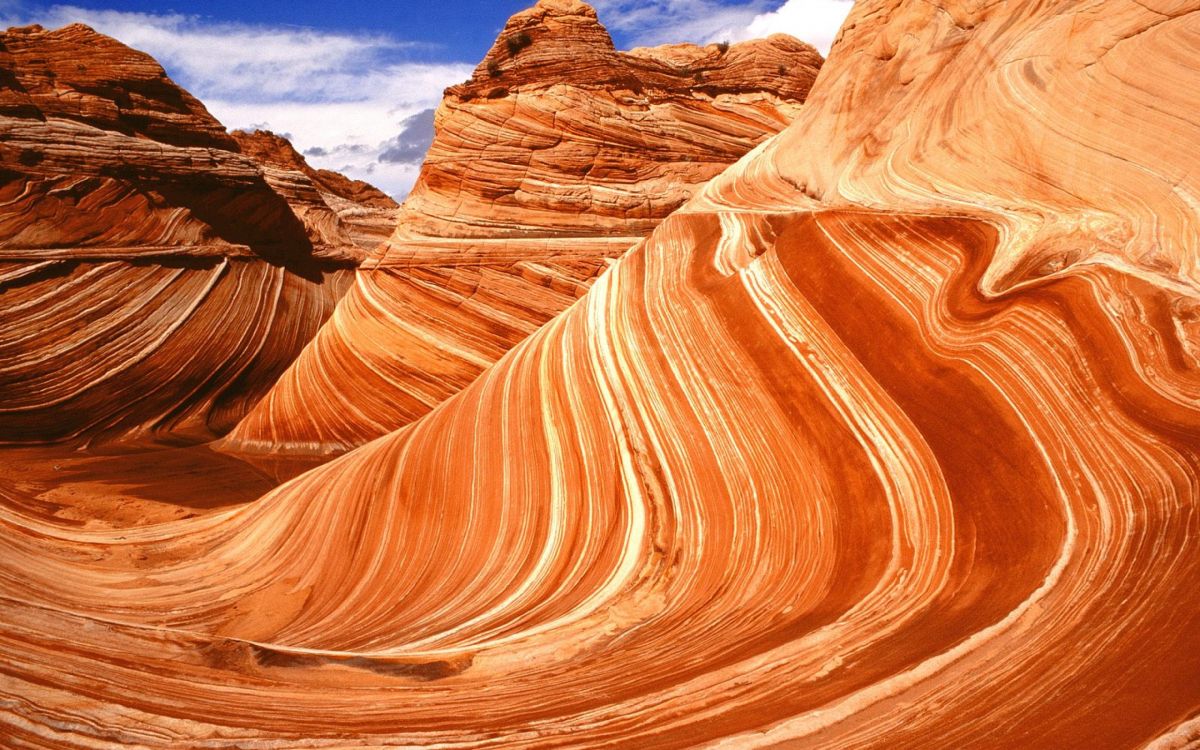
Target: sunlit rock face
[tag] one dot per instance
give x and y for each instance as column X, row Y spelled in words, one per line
column 554, row 158
column 889, row 439
column 154, row 279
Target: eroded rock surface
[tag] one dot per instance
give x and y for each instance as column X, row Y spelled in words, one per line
column 553, row 159
column 141, row 249
column 558, row 133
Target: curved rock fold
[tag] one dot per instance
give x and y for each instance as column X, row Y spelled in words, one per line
column 888, row 437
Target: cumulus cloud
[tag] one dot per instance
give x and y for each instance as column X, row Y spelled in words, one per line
column 815, row 21
column 652, row 22
column 343, row 98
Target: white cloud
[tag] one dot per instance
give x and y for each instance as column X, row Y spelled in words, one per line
column 344, row 95
column 815, row 21
column 345, row 98
column 651, row 22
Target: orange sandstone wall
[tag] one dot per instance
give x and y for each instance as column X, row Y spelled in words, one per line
column 345, row 208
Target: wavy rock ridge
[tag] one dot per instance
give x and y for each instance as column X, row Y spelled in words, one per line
column 890, row 438
column 553, row 159
column 142, row 248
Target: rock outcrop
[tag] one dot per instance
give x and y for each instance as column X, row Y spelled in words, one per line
column 359, row 209
column 553, row 159
column 140, row 248
column 890, row 438
column 557, row 133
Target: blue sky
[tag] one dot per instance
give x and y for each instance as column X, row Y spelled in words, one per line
column 453, row 29
column 354, row 84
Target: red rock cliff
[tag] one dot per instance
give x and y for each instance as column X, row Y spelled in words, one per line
column 558, row 133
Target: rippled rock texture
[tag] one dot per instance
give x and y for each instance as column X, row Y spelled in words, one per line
column 554, row 158
column 889, row 438
column 156, row 274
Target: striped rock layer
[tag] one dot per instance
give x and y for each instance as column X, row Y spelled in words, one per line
column 155, row 278
column 557, row 133
column 554, row 158
column 890, row 438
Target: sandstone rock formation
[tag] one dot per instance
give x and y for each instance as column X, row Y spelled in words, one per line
column 140, row 249
column 888, row 439
column 359, row 209
column 555, row 157
column 557, row 133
